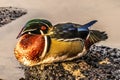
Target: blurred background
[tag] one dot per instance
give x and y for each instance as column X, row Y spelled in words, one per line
column 107, row 12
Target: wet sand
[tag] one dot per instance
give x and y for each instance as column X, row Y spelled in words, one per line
column 57, row 11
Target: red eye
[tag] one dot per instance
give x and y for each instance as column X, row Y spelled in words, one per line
column 43, row 28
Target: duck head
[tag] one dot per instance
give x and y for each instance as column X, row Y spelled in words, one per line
column 31, row 43
column 36, row 26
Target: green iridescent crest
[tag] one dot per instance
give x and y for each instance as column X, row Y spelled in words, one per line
column 33, row 25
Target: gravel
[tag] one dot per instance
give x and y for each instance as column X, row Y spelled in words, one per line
column 100, row 63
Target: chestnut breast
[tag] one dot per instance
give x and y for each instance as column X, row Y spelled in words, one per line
column 29, row 46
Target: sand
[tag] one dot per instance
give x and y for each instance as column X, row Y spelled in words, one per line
column 107, row 12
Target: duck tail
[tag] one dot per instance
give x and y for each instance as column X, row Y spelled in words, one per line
column 94, row 37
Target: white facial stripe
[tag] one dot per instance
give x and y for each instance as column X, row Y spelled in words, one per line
column 29, row 30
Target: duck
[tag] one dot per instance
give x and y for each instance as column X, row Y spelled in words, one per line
column 39, row 42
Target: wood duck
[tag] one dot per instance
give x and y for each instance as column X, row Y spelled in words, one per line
column 40, row 42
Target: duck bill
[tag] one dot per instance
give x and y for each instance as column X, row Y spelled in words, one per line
column 24, row 30
column 20, row 33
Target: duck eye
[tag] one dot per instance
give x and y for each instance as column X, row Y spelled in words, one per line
column 43, row 28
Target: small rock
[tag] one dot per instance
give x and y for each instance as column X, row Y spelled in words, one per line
column 7, row 14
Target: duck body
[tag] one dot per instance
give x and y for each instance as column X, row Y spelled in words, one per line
column 29, row 50
column 61, row 42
